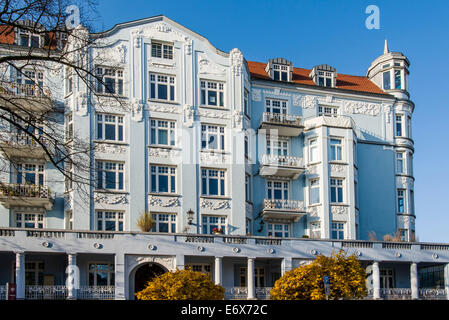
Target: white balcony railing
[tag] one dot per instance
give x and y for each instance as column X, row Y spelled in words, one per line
column 25, row 190
column 281, row 118
column 239, row 293
column 25, row 90
column 46, row 292
column 22, row 140
column 280, row 160
column 290, row 205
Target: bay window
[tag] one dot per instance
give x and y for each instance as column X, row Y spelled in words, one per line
column 335, row 150
column 336, row 190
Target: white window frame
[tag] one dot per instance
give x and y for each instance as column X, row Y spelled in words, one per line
column 281, row 70
column 313, row 150
column 314, row 184
column 118, row 168
column 326, row 77
column 284, row 231
column 158, row 79
column 209, row 221
column 104, row 75
column 337, row 184
column 68, row 80
column 282, row 185
column 157, row 125
column 166, row 171
column 200, row 267
column 277, row 145
column 400, row 162
column 217, row 132
column 36, row 267
column 337, row 147
column 248, row 188
column 36, row 218
column 401, row 194
column 399, row 124
column 207, row 87
column 165, row 50
column 208, row 174
column 164, row 218
column 274, row 104
column 328, row 111
column 104, row 216
column 339, row 228
column 107, row 119
column 246, row 101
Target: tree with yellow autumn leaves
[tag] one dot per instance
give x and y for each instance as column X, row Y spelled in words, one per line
column 347, row 280
column 182, row 285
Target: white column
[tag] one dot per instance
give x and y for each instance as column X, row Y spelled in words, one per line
column 20, row 275
column 73, row 277
column 180, row 261
column 414, row 280
column 120, row 277
column 286, row 265
column 218, row 271
column 251, row 284
column 376, row 280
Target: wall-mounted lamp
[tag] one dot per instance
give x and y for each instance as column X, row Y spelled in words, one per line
column 190, row 214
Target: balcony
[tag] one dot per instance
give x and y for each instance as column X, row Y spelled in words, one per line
column 12, row 194
column 283, row 209
column 21, row 145
column 285, row 124
column 284, row 166
column 26, row 96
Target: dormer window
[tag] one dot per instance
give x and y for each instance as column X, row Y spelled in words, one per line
column 280, row 72
column 279, row 69
column 28, row 39
column 324, row 76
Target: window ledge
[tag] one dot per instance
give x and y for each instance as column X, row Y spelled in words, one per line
column 215, row 108
column 110, row 142
column 111, row 191
column 164, row 194
column 163, row 101
column 214, row 151
column 163, row 146
column 109, row 95
column 216, row 197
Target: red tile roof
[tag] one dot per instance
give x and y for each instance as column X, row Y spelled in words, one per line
column 301, row 76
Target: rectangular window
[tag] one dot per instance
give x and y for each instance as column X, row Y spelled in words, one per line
column 401, row 200
column 276, row 106
column 277, row 145
column 29, row 220
column 397, row 79
column 161, row 50
column 277, row 190
column 212, row 93
column 280, row 72
column 200, row 267
column 212, row 137
column 164, row 222
column 325, row 79
column 101, row 274
column 399, row 125
column 163, row 179
column 34, row 273
column 336, row 190
column 387, row 81
column 69, row 220
column 278, row 230
column 162, row 87
column 246, row 103
column 335, row 149
column 409, row 127
column 162, row 132
column 248, row 187
column 313, row 150
column 211, row 223
column 69, row 127
column 327, row 111
column 109, row 127
column 314, row 194
column 109, row 221
column 68, row 80
column 213, row 182
column 110, row 175
column 400, row 162
column 338, row 230
column 315, row 230
column 109, row 80
column 28, row 173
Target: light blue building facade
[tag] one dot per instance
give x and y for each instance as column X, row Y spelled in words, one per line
column 249, row 169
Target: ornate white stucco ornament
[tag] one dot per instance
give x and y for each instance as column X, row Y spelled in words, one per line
column 81, row 104
column 237, row 116
column 137, row 110
column 236, row 58
column 189, row 115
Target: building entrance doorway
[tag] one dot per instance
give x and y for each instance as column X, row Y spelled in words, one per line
column 146, row 273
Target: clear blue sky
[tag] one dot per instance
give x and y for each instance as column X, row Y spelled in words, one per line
column 314, row 32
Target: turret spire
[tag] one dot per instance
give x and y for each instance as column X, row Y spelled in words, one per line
column 386, row 47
